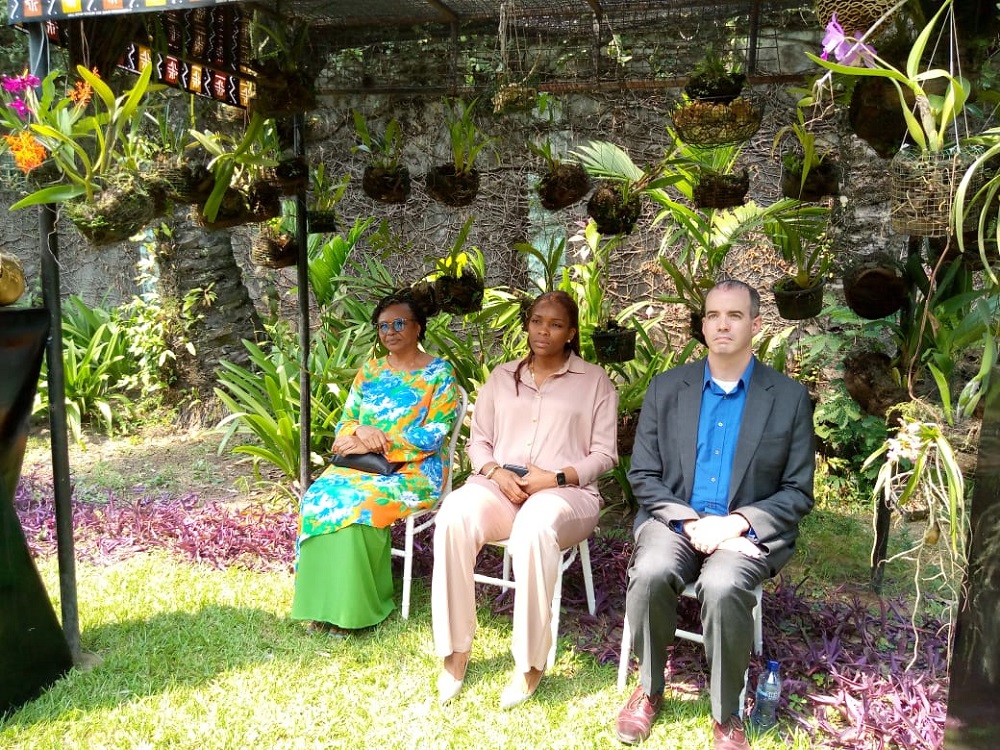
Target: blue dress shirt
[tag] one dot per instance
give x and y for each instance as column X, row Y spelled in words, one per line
column 718, row 429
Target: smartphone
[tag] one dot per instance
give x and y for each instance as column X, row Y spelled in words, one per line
column 519, row 470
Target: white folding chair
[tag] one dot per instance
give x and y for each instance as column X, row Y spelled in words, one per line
column 568, row 556
column 758, row 639
column 422, row 519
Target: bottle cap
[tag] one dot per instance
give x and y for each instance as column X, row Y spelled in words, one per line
column 772, row 665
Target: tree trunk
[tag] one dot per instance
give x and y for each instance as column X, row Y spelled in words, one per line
column 210, row 312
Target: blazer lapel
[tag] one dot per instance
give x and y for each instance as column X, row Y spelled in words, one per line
column 758, row 406
column 688, row 410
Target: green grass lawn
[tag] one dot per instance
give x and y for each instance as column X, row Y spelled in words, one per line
column 201, row 658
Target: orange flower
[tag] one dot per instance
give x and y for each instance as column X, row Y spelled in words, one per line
column 81, row 93
column 28, row 153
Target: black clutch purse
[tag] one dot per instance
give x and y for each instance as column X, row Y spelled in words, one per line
column 373, row 463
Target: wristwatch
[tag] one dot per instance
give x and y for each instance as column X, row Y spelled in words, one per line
column 560, row 478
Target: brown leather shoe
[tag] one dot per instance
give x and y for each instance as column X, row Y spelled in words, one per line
column 730, row 736
column 635, row 720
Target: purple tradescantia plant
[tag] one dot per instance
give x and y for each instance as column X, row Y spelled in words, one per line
column 855, row 675
column 846, row 49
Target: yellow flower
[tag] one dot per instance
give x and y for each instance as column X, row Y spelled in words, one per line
column 28, row 153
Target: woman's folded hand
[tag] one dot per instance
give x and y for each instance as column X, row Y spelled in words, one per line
column 347, row 445
column 510, row 485
column 372, row 438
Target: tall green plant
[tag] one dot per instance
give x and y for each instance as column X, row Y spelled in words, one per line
column 329, row 259
column 384, row 149
column 264, row 400
column 694, row 248
column 477, row 343
column 799, row 237
column 464, row 136
column 589, row 282
column 97, row 366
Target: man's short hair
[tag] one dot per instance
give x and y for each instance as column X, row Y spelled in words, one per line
column 731, row 284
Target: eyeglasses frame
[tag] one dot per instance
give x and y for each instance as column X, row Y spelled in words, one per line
column 397, row 324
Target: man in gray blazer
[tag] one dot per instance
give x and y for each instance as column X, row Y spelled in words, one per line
column 723, row 471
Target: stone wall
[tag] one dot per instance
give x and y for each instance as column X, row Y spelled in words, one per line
column 507, row 210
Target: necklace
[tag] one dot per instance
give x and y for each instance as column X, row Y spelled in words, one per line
column 397, row 365
column 531, row 371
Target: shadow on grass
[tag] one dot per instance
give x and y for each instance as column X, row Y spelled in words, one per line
column 167, row 651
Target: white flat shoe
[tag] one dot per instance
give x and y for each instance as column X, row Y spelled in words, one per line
column 516, row 692
column 448, row 687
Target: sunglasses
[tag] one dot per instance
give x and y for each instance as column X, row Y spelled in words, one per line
column 397, row 325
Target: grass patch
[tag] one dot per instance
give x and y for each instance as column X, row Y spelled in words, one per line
column 203, row 658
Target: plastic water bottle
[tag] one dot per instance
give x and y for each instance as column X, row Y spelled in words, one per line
column 765, row 707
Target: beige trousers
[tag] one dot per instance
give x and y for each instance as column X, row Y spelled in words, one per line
column 539, row 529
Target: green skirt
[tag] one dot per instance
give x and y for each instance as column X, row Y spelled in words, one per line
column 345, row 578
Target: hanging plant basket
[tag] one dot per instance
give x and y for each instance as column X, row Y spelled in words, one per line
column 321, row 222
column 795, row 303
column 610, row 212
column 185, row 184
column 875, row 286
column 264, row 200
column 274, row 251
column 923, row 186
column 628, row 423
column 721, row 190
column 11, row 279
column 282, row 93
column 459, row 295
column 870, row 381
column 875, row 116
column 822, row 180
column 233, row 211
column 424, row 296
column 451, row 188
column 613, row 343
column 116, row 213
column 715, row 87
column 563, row 186
column 702, row 123
column 855, row 16
column 291, row 175
column 386, row 185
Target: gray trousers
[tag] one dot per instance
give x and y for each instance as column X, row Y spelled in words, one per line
column 663, row 563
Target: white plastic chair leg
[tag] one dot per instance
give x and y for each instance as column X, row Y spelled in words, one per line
column 407, row 568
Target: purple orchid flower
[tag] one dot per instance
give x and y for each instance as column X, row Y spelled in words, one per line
column 846, row 49
column 19, row 84
column 19, row 106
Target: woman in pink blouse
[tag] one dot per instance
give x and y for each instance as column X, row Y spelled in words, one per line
column 556, row 415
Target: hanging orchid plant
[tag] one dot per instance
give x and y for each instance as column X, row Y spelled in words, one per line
column 930, row 118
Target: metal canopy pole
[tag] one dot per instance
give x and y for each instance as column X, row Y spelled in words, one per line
column 302, row 277
column 38, row 50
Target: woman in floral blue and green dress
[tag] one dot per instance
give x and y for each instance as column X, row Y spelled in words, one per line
column 403, row 406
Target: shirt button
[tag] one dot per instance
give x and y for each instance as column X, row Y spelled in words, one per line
column 712, row 480
column 720, row 424
column 716, row 452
